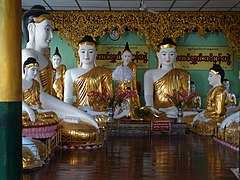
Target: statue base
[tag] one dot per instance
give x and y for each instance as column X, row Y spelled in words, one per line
column 127, row 127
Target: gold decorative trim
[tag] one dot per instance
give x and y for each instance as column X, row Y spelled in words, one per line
column 42, row 18
column 214, row 72
column 88, row 43
column 155, row 27
column 31, row 65
column 168, row 46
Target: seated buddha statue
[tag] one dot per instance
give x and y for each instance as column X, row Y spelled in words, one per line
column 88, row 78
column 164, row 80
column 36, row 121
column 37, row 27
column 194, row 103
column 207, row 121
column 128, row 80
column 229, row 129
column 59, row 73
column 232, row 101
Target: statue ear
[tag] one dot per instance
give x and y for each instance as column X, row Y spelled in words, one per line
column 159, row 61
column 25, row 71
column 31, row 29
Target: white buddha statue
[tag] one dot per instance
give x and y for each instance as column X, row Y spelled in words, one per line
column 163, row 80
column 232, row 101
column 37, row 27
column 36, row 121
column 59, row 73
column 229, row 129
column 126, row 76
column 206, row 122
column 88, row 78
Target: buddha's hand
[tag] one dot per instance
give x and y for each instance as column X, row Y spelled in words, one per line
column 155, row 110
column 58, row 76
column 31, row 114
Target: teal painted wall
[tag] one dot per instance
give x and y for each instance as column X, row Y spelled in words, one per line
column 199, row 77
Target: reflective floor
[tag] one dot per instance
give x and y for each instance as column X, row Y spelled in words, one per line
column 149, row 157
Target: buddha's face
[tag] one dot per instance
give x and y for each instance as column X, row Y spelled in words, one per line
column 193, row 87
column 213, row 79
column 126, row 58
column 56, row 61
column 32, row 72
column 43, row 33
column 87, row 54
column 167, row 56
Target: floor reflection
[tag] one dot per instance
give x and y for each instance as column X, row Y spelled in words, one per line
column 149, row 157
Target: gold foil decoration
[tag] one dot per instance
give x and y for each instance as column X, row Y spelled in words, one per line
column 155, row 27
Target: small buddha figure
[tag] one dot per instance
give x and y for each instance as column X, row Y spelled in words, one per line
column 37, row 122
column 195, row 103
column 206, row 122
column 59, row 73
column 165, row 79
column 129, row 79
column 232, row 101
column 88, row 78
column 76, row 123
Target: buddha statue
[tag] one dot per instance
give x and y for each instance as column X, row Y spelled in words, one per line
column 207, row 121
column 195, row 103
column 88, row 78
column 127, row 80
column 163, row 80
column 36, row 121
column 229, row 129
column 37, row 27
column 59, row 73
column 232, row 101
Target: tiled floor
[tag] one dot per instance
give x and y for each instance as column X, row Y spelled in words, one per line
column 188, row 157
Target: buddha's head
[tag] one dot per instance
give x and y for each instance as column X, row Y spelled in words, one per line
column 167, row 53
column 226, row 84
column 127, row 55
column 216, row 75
column 30, row 68
column 87, row 51
column 37, row 26
column 193, row 86
column 56, row 59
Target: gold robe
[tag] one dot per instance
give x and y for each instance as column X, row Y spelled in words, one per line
column 133, row 101
column 215, row 111
column 58, row 84
column 47, row 76
column 97, row 79
column 178, row 79
column 31, row 96
column 131, row 84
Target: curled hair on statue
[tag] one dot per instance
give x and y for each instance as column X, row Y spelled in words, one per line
column 218, row 70
column 29, row 63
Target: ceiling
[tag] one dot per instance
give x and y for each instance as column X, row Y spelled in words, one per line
column 135, row 5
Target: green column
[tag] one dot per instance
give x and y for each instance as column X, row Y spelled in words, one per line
column 10, row 90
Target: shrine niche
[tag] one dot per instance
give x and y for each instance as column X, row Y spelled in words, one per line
column 76, row 24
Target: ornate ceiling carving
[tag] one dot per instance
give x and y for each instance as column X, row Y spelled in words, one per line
column 75, row 25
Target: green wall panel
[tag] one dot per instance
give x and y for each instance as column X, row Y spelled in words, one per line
column 11, row 140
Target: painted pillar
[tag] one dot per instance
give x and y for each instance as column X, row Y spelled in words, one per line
column 10, row 90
